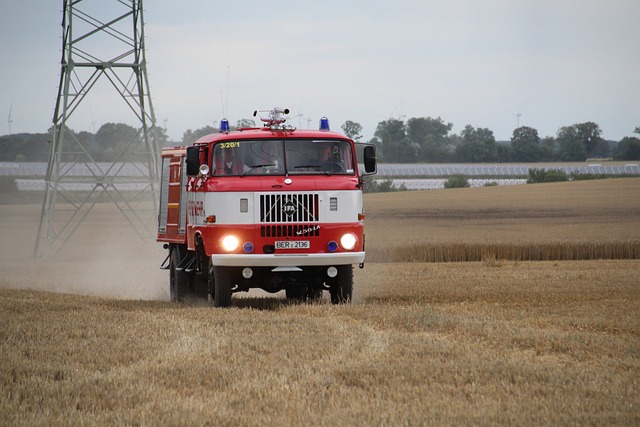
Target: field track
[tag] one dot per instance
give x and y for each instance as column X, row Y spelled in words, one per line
column 498, row 341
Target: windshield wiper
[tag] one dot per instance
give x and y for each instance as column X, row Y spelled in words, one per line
column 252, row 167
column 315, row 167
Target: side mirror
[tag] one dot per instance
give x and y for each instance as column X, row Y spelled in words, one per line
column 193, row 161
column 370, row 159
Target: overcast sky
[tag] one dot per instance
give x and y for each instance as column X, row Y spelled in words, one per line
column 490, row 64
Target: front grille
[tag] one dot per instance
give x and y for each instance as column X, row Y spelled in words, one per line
column 297, row 230
column 289, row 207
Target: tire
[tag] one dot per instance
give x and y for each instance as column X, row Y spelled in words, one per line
column 314, row 294
column 296, row 293
column 201, row 277
column 342, row 289
column 223, row 281
column 178, row 280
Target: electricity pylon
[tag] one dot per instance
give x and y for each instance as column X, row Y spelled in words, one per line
column 101, row 42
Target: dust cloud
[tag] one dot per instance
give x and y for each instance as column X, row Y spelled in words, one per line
column 104, row 257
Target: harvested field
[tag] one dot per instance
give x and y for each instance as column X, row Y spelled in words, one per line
column 492, row 342
column 561, row 221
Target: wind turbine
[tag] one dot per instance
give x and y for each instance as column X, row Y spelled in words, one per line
column 518, row 114
column 93, row 122
column 9, row 121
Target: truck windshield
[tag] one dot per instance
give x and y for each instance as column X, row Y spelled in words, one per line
column 280, row 157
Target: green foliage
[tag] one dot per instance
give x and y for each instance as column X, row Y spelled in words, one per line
column 422, row 139
column 352, row 130
column 245, row 123
column 476, row 145
column 191, row 136
column 525, row 145
column 29, row 147
column 391, row 139
column 431, row 138
column 580, row 141
column 457, row 181
column 381, row 186
column 575, row 176
column 111, row 140
column 628, row 149
column 544, row 175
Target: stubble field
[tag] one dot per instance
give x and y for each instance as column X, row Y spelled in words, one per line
column 497, row 341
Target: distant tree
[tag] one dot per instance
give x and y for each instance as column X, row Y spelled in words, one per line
column 525, row 145
column 592, row 139
column 245, row 123
column 162, row 139
column 570, row 146
column 24, row 147
column 476, row 145
column 503, row 153
column 431, row 137
column 114, row 139
column 628, row 149
column 191, row 136
column 580, row 141
column 392, row 141
column 352, row 130
column 548, row 149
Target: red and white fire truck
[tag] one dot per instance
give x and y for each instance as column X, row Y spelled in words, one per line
column 274, row 207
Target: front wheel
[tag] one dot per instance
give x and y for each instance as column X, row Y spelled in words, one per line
column 342, row 288
column 178, row 279
column 222, row 283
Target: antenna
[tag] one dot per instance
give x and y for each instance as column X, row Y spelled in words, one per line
column 228, row 72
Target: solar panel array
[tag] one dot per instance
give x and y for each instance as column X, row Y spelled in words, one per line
column 32, row 173
column 408, row 169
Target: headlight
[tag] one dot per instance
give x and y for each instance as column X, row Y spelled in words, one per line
column 230, row 243
column 348, row 241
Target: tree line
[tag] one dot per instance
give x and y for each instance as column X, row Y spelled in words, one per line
column 418, row 140
column 429, row 140
column 106, row 145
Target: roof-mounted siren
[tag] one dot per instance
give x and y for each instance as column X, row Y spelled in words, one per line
column 324, row 124
column 224, row 126
column 273, row 117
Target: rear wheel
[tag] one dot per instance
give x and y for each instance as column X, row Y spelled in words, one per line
column 178, row 279
column 222, row 283
column 342, row 288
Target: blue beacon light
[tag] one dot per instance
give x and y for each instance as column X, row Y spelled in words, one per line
column 324, row 124
column 224, row 125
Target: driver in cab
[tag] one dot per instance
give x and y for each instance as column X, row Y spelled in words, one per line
column 330, row 158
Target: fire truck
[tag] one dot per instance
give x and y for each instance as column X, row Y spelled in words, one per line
column 271, row 207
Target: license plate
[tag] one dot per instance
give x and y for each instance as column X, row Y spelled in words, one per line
column 292, row 244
